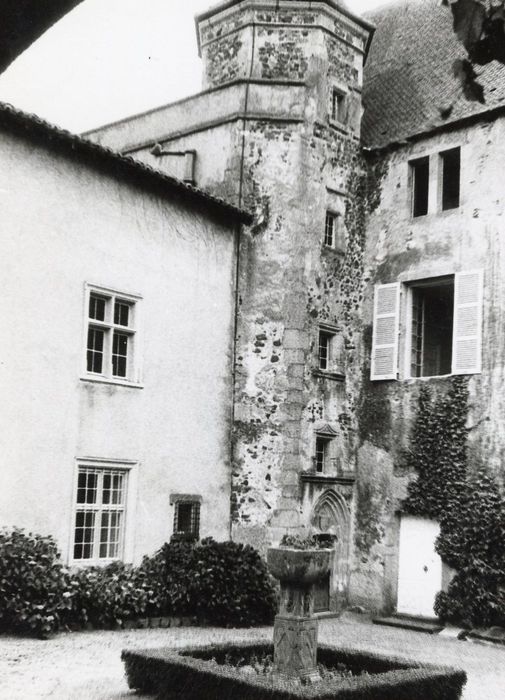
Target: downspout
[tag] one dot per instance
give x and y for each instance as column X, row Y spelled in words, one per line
column 238, row 236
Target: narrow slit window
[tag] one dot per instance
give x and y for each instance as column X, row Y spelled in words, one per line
column 330, row 230
column 338, row 106
column 451, row 176
column 420, row 176
column 321, row 456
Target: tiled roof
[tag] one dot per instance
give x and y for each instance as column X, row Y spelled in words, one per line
column 117, row 165
column 409, row 79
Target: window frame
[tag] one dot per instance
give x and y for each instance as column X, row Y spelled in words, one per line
column 326, row 438
column 110, row 329
column 442, row 160
column 411, row 287
column 335, row 359
column 324, row 442
column 128, row 468
column 338, row 107
column 195, row 501
column 413, row 165
column 334, row 218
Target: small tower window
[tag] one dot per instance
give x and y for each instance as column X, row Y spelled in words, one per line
column 325, row 338
column 330, row 230
column 338, row 106
column 321, row 456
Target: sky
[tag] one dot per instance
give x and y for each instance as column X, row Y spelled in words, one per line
column 108, row 59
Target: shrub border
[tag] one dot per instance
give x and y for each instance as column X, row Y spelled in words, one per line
column 171, row 670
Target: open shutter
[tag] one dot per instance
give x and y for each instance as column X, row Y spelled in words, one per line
column 386, row 320
column 467, row 338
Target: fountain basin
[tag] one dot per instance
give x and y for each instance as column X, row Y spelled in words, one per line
column 300, row 567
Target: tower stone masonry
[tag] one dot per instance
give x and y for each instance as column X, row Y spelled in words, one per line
column 297, row 163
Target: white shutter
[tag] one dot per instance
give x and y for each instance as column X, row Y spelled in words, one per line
column 386, row 324
column 467, row 336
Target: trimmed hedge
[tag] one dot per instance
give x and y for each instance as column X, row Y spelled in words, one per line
column 223, row 583
column 35, row 589
column 193, row 673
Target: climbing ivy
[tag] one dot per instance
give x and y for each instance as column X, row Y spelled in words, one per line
column 471, row 542
column 438, row 451
column 470, row 509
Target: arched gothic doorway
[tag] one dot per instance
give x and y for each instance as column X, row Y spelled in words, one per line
column 331, row 519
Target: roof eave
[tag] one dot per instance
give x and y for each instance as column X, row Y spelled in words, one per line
column 53, row 136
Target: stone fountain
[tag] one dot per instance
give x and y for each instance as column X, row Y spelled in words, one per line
column 296, row 627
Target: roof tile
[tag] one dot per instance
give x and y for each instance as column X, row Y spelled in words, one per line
column 409, row 80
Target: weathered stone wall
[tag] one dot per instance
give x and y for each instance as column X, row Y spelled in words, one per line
column 399, row 247
column 289, row 281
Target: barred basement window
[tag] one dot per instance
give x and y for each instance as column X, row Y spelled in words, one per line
column 111, row 335
column 186, row 518
column 100, row 512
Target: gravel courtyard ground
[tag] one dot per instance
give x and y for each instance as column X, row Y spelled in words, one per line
column 87, row 665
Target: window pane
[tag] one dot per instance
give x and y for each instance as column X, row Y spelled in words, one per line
column 84, row 531
column 106, row 488
column 110, row 535
column 121, row 313
column 87, row 487
column 95, row 350
column 119, row 354
column 112, row 488
column 96, row 308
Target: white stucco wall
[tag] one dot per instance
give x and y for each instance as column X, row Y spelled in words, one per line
column 63, row 225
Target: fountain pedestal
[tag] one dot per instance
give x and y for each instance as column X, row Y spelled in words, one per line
column 295, row 627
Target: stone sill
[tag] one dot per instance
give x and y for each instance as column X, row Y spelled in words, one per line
column 330, row 250
column 313, row 478
column 325, row 374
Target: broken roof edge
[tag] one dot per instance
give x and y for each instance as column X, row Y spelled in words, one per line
column 227, row 4
column 53, row 136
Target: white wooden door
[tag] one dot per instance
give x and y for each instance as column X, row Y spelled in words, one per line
column 420, row 567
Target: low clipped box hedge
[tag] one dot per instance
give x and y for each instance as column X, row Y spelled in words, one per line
column 197, row 673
